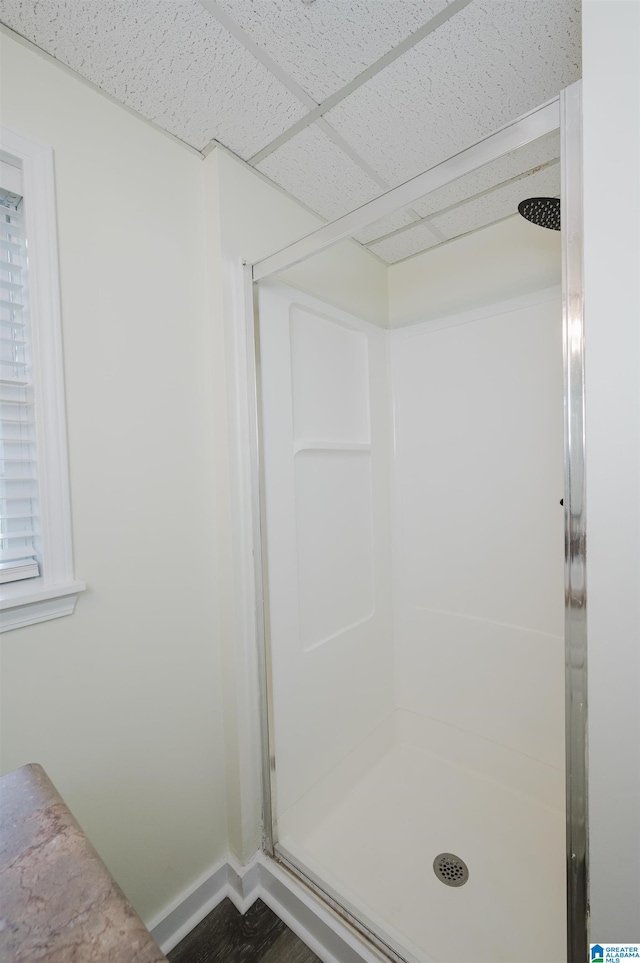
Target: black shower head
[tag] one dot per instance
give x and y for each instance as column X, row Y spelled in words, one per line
column 544, row 211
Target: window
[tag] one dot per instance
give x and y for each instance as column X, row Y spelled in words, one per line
column 36, row 568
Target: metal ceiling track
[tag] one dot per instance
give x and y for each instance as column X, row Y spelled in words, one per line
column 543, row 120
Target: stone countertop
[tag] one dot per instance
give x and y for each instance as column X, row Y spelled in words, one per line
column 58, row 901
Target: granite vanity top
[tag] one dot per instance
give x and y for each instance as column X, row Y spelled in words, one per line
column 58, row 901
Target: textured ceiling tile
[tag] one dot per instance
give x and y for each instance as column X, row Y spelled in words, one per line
column 540, row 151
column 324, row 45
column 320, row 174
column 499, row 203
column 491, row 62
column 168, row 59
column 418, row 238
column 384, row 226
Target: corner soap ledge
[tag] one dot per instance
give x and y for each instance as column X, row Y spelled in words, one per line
column 59, row 901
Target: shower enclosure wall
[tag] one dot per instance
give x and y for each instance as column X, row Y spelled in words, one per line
column 412, row 532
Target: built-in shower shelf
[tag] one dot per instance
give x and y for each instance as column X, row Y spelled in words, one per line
column 330, row 446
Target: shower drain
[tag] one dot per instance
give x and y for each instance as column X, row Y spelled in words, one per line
column 450, row 869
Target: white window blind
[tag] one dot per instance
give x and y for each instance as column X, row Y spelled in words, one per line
column 37, row 581
column 19, row 523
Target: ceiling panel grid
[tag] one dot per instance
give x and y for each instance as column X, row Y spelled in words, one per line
column 499, row 203
column 469, row 215
column 317, row 172
column 403, row 245
column 492, row 62
column 534, row 155
column 169, row 60
column 386, row 225
column 334, row 100
column 325, row 45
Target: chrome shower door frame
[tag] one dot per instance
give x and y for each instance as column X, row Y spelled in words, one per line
column 564, row 112
column 575, row 632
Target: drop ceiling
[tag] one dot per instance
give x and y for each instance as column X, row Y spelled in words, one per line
column 335, row 101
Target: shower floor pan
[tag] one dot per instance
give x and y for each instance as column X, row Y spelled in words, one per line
column 370, row 831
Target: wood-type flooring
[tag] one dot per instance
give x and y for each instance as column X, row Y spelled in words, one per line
column 225, row 936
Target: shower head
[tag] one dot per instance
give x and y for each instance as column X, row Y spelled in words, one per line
column 544, row 211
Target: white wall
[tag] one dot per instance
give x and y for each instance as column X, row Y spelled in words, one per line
column 504, row 260
column 611, row 54
column 257, row 219
column 247, row 219
column 132, row 732
column 479, row 607
column 124, row 703
column 121, row 702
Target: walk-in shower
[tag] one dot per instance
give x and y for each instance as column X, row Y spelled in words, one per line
column 422, row 640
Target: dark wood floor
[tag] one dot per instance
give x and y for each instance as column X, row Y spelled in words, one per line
column 224, row 936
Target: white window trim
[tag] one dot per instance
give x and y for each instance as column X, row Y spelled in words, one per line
column 54, row 592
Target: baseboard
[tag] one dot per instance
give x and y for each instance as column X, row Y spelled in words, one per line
column 191, row 907
column 321, row 929
column 323, row 932
column 243, row 883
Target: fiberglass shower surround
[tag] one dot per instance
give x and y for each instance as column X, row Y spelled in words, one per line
column 411, row 468
column 415, row 556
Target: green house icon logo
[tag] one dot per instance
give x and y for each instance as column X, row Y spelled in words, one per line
column 597, row 954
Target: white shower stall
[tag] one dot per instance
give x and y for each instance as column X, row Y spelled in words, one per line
column 412, row 528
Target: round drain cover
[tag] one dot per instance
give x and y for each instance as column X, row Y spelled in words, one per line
column 450, row 869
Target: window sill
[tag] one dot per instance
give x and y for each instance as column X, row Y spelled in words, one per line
column 29, row 604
